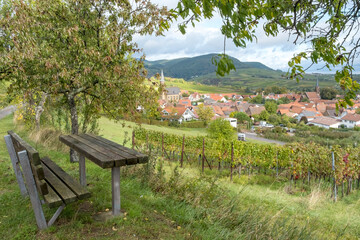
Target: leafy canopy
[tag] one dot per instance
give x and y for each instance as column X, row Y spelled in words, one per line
column 80, row 52
column 221, row 129
column 330, row 29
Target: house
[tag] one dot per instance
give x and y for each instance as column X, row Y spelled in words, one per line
column 255, row 110
column 308, row 115
column 185, row 102
column 194, row 97
column 325, row 122
column 179, row 114
column 171, row 94
column 312, row 96
column 218, row 97
column 351, row 120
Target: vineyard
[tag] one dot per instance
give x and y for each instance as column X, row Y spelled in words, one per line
column 297, row 161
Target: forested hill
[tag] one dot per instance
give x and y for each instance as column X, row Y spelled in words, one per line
column 189, row 68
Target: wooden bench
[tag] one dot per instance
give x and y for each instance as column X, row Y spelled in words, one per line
column 45, row 182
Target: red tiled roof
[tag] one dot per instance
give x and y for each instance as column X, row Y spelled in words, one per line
column 324, row 121
column 351, row 117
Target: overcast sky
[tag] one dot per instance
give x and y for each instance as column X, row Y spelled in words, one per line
column 206, row 38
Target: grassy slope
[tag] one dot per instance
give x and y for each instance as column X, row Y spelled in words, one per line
column 198, row 87
column 260, row 78
column 122, row 131
column 154, row 216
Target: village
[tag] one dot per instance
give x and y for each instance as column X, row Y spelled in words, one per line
column 308, row 107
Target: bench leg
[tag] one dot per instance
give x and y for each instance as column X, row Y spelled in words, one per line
column 115, row 187
column 15, row 164
column 56, row 215
column 82, row 170
column 33, row 193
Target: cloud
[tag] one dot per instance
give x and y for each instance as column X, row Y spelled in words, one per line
column 206, row 37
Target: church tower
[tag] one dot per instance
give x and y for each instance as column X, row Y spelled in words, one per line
column 162, row 80
column 162, row 84
column 317, row 88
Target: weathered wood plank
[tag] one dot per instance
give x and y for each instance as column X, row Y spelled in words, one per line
column 93, row 143
column 58, row 186
column 52, row 199
column 15, row 163
column 90, row 153
column 34, row 160
column 142, row 158
column 70, row 182
column 127, row 159
column 33, row 193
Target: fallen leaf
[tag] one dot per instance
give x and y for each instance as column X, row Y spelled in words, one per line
column 178, row 227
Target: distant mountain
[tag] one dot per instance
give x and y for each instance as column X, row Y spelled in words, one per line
column 251, row 75
column 190, row 68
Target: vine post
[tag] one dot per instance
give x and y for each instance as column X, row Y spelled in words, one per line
column 133, row 139
column 162, row 145
column 203, row 156
column 182, row 152
column 232, row 161
column 333, row 168
column 277, row 167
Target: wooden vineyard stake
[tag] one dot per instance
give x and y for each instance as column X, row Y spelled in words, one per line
column 203, row 156
column 232, row 161
column 133, row 139
column 162, row 145
column 333, row 168
column 182, row 152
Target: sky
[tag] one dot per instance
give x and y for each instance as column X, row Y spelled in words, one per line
column 274, row 52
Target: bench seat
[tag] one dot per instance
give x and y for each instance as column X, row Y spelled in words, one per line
column 62, row 187
column 42, row 178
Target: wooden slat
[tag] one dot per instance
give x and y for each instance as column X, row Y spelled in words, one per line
column 52, row 199
column 141, row 158
column 90, row 153
column 58, row 186
column 127, row 159
column 93, row 143
column 70, row 182
column 34, row 159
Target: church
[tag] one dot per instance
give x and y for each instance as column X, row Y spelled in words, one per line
column 169, row 94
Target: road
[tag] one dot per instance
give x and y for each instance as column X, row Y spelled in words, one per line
column 256, row 137
column 7, row 111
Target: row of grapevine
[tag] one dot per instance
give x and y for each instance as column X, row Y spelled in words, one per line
column 300, row 160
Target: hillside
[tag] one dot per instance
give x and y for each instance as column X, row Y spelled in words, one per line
column 247, row 75
column 189, row 68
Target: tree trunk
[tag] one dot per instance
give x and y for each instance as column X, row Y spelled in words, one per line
column 74, row 125
column 39, row 110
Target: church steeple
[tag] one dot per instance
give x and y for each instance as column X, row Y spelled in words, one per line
column 317, row 88
column 162, row 80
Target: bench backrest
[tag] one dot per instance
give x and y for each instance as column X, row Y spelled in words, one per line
column 33, row 155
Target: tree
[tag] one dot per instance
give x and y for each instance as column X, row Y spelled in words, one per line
column 284, row 100
column 240, row 116
column 220, row 128
column 328, row 93
column 264, row 115
column 205, row 113
column 329, row 27
column 258, row 99
column 271, row 106
column 80, row 53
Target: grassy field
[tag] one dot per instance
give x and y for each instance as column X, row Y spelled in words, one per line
column 173, row 203
column 122, row 131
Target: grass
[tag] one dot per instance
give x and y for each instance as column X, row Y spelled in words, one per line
column 122, row 131
column 174, row 203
